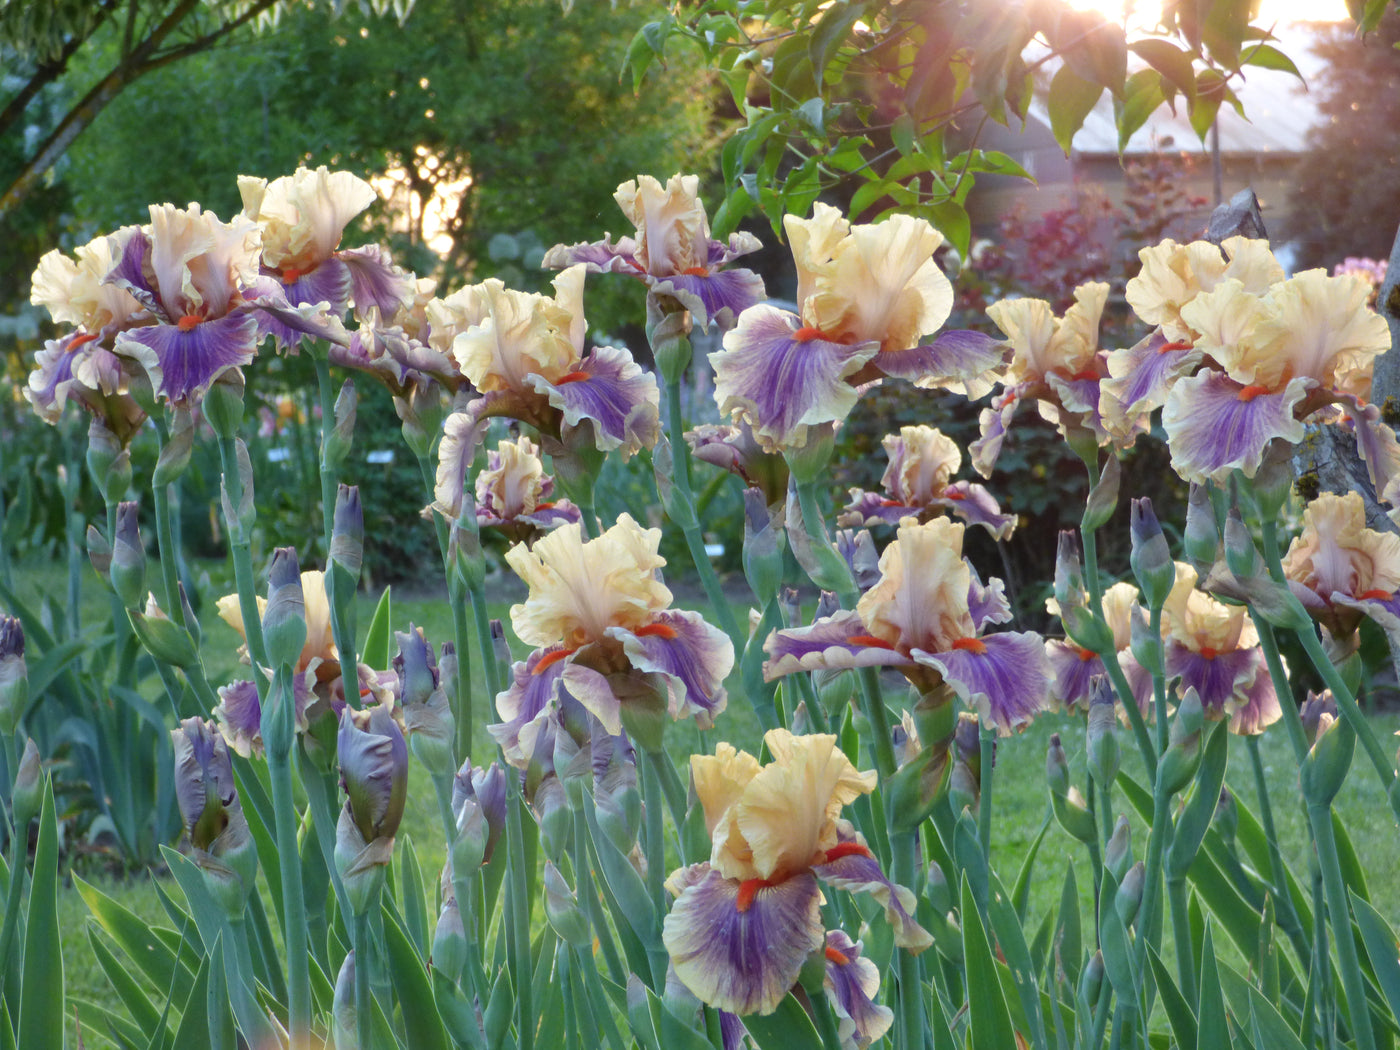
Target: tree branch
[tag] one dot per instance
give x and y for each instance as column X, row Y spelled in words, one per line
column 47, row 72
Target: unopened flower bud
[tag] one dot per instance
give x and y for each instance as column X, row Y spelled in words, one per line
column 1317, row 708
column 468, row 565
column 668, row 334
column 343, row 433
column 562, row 911
column 1183, row 754
column 1326, row 764
column 1130, row 893
column 1103, row 497
column 1150, row 558
column 344, row 1029
column 449, row 941
column 108, row 462
column 486, row 787
column 175, row 454
column 99, row 553
column 551, row 805
column 348, row 535
column 1069, row 574
column 1056, row 767
column 964, row 792
column 764, row 543
column 1240, row 554
column 1145, row 646
column 223, row 404
column 284, row 619
column 427, row 715
column 1091, row 980
column 14, row 677
column 809, row 462
column 1118, row 852
column 373, row 771
column 28, row 790
column 164, row 639
column 1105, row 756
column 421, row 413
column 1065, row 800
column 214, row 821
column 1200, row 538
column 240, row 519
column 1273, row 481
column 128, row 566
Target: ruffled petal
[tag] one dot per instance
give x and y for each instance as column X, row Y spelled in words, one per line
column 1220, row 680
column 870, row 508
column 851, row 984
column 838, row 641
column 976, row 506
column 1073, row 669
column 994, row 423
column 462, row 435
column 535, row 682
column 1377, row 445
column 965, row 362
column 1007, row 681
column 852, row 867
column 743, row 961
column 182, row 364
column 986, row 603
column 377, row 281
column 781, row 384
column 611, row 390
column 1140, row 379
column 714, row 296
column 694, row 657
column 599, row 256
column 1214, row 425
column 1257, row 707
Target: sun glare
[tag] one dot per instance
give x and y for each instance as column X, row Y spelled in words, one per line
column 1144, row 13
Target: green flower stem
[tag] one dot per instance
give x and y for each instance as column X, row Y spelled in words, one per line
column 1104, row 799
column 1292, row 722
column 1283, row 900
column 461, row 702
column 494, row 685
column 1135, row 719
column 598, row 1000
column 1095, row 859
column 1159, row 682
column 655, row 836
column 1101, row 1016
column 1324, row 838
column 670, row 783
column 240, row 544
column 169, row 572
column 1181, row 934
column 815, row 711
column 694, row 538
column 987, row 766
column 1152, row 888
column 904, row 849
column 1090, row 542
column 364, row 998
column 518, row 916
column 19, row 855
column 461, row 886
column 1346, row 701
column 6, row 578
column 340, row 630
column 279, row 765
column 583, row 874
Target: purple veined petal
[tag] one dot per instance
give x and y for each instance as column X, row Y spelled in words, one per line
column 1218, row 679
column 993, row 422
column 376, row 281
column 289, row 323
column 781, row 384
column 714, row 296
column 183, row 363
column 1140, row 683
column 603, row 256
column 718, row 253
column 1385, row 611
column 962, row 361
column 833, row 643
column 130, row 270
column 1078, row 397
column 461, row 436
column 1140, row 378
column 870, row 508
column 1257, row 707
column 694, row 657
column 1377, row 444
column 1215, row 425
column 613, row 391
column 976, row 506
column 743, row 961
column 552, row 514
column 534, row 684
column 732, row 1032
column 594, row 693
column 1004, row 677
column 986, row 602
column 851, row 866
column 1072, row 668
column 202, row 769
column 328, row 283
column 851, row 984
column 861, row 557
column 240, row 717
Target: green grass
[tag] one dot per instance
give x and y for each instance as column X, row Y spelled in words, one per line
column 1021, row 800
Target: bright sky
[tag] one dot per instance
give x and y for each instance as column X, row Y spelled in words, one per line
column 1146, row 11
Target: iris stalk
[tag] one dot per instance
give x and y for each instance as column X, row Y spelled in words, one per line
column 344, row 637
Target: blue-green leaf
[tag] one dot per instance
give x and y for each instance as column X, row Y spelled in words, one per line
column 786, row 1028
column 990, row 1020
column 1178, row 1010
column 422, row 1023
column 379, row 638
column 41, row 998
column 1213, row 1029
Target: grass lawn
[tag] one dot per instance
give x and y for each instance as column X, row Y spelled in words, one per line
column 1021, row 801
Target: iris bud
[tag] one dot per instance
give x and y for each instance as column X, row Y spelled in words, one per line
column 348, row 534
column 562, row 911
column 218, row 831
column 1150, row 558
column 1118, row 853
column 127, row 570
column 1130, row 893
column 763, row 544
column 343, row 1024
column 284, row 619
column 343, row 433
column 14, row 677
column 449, row 941
column 223, row 404
column 1201, row 537
column 99, row 553
column 1325, row 766
column 1240, row 554
column 27, row 795
column 1183, row 754
column 1105, row 756
column 1091, row 980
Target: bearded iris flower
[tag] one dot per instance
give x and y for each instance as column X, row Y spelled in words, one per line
column 866, row 296
column 925, row 617
column 672, row 251
column 1275, row 359
column 601, row 619
column 1075, row 667
column 514, row 493
column 745, row 921
column 917, row 484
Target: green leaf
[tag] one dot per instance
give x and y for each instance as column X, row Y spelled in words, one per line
column 1119, row 962
column 1068, row 942
column 415, row 907
column 1214, row 1030
column 951, row 220
column 194, row 1020
column 457, row 1014
column 1196, row 815
column 867, row 195
column 1021, row 893
column 1210, row 92
column 1142, row 94
column 128, row 990
column 990, row 1020
column 812, row 116
column 830, row 33
column 41, row 999
column 903, row 136
column 1273, row 1031
column 140, row 942
column 1011, row 939
column 786, row 1028
column 1072, row 98
column 1178, row 1010
column 1266, row 56
column 422, row 1023
column 1171, row 61
column 1096, row 48
column 377, row 642
column 1380, row 944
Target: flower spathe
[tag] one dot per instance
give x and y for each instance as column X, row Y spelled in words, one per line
column 599, row 610
column 925, row 617
column 672, row 251
column 866, row 296
column 744, row 922
column 918, row 484
column 319, row 653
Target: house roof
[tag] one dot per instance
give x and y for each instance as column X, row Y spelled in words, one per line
column 1279, row 110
